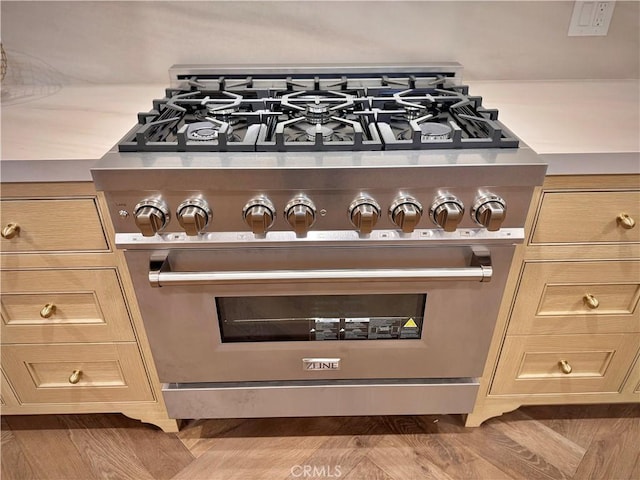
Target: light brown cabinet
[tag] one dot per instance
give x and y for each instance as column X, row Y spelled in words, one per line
column 569, row 325
column 76, row 373
column 564, row 364
column 54, row 225
column 72, row 337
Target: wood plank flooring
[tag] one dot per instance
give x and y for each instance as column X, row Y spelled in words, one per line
column 547, row 442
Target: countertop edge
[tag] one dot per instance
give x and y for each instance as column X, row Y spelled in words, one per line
column 42, row 171
column 604, row 163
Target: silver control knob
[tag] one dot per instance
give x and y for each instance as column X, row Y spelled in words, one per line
column 364, row 213
column 300, row 212
column 151, row 216
column 489, row 211
column 259, row 213
column 406, row 212
column 194, row 215
column 446, row 211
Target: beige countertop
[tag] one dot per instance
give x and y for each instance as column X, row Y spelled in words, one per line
column 578, row 126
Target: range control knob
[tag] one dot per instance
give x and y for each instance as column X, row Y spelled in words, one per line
column 194, row 215
column 446, row 211
column 151, row 216
column 259, row 213
column 300, row 212
column 406, row 212
column 364, row 213
column 489, row 210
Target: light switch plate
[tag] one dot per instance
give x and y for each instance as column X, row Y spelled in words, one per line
column 591, row 18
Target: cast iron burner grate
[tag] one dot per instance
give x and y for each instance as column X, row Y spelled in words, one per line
column 317, row 112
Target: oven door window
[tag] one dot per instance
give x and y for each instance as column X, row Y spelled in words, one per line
column 321, row 317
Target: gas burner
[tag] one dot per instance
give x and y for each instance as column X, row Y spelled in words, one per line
column 317, row 107
column 411, row 113
column 412, row 107
column 222, row 108
column 299, row 130
column 317, row 113
column 435, row 131
column 350, row 131
column 318, row 120
column 429, row 130
column 205, row 131
column 216, row 109
column 326, row 133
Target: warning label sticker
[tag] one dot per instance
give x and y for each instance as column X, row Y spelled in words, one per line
column 411, row 323
column 363, row 328
column 410, row 329
column 356, row 329
column 381, row 328
column 325, row 329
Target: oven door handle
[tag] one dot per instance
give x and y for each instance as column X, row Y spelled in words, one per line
column 160, row 274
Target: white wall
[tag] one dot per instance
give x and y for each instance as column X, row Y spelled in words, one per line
column 131, row 42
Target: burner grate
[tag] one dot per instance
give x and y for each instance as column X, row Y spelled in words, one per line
column 317, row 112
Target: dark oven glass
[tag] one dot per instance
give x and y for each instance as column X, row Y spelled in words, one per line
column 321, row 317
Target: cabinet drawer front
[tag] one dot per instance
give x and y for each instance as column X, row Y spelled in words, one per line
column 7, row 398
column 53, row 225
column 83, row 306
column 103, row 373
column 633, row 382
column 586, row 217
column 594, row 363
column 577, row 297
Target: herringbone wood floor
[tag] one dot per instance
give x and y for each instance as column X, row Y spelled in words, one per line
column 572, row 442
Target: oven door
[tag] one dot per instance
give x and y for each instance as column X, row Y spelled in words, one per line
column 301, row 313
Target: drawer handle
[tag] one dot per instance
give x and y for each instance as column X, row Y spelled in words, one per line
column 10, row 231
column 565, row 367
column 624, row 220
column 75, row 377
column 591, row 301
column 48, row 310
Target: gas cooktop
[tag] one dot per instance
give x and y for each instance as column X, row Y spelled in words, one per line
column 316, row 109
column 340, row 155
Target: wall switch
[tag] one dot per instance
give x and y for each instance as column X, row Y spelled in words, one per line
column 591, row 18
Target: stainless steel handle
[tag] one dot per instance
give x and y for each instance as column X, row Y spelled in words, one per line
column 160, row 274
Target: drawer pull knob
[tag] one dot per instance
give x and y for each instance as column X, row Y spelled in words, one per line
column 591, row 301
column 10, row 231
column 565, row 367
column 75, row 377
column 48, row 310
column 624, row 220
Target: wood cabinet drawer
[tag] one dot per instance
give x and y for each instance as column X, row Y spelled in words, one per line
column 107, row 373
column 577, row 297
column 7, row 398
column 89, row 306
column 633, row 382
column 532, row 364
column 586, row 217
column 53, row 225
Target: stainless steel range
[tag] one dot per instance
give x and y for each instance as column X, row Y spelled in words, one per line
column 319, row 240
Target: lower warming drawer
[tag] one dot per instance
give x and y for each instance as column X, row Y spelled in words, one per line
column 320, row 398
